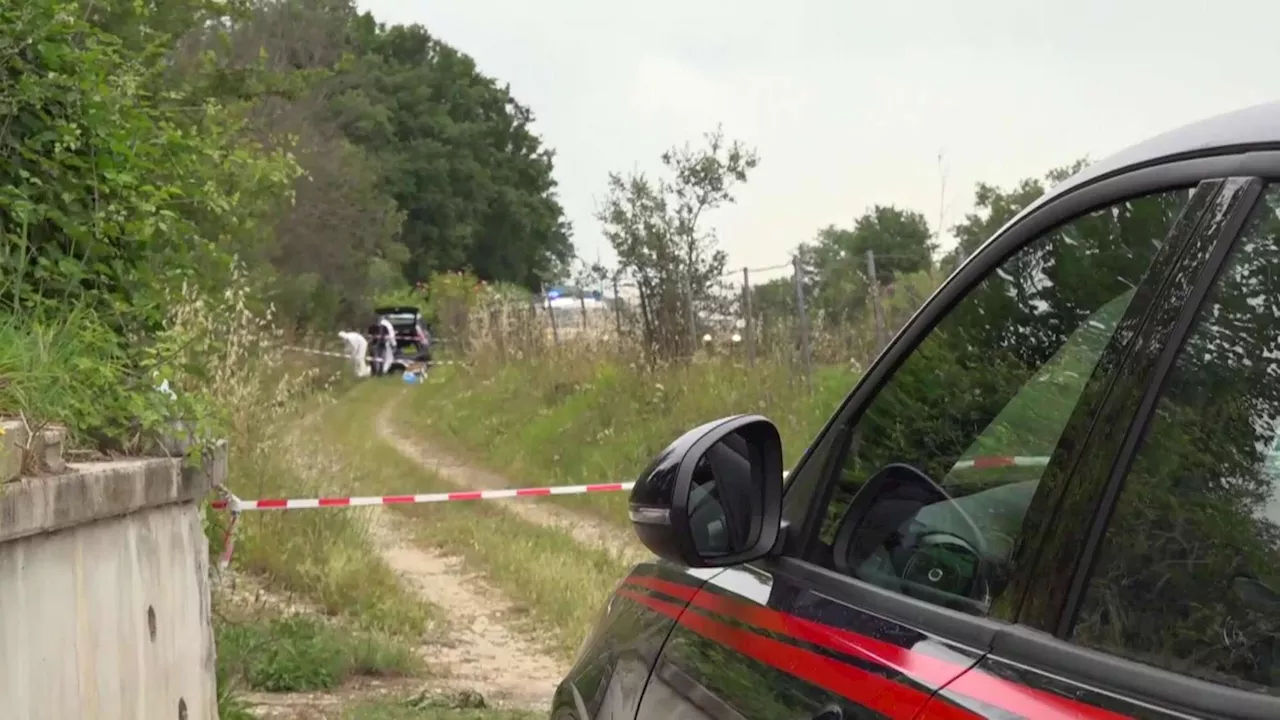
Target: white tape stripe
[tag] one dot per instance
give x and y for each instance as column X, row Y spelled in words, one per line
column 1006, row 461
column 461, row 496
column 506, row 493
column 326, row 353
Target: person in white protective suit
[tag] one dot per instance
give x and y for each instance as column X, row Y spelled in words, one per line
column 382, row 345
column 389, row 348
column 357, row 348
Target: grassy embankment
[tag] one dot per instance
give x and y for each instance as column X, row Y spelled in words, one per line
column 367, row 623
column 573, row 419
column 556, row 582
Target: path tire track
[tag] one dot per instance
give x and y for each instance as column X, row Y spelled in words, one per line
column 481, row 652
column 588, row 531
column 477, row 651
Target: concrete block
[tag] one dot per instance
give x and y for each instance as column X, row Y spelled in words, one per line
column 105, row 608
column 47, row 448
column 100, row 490
column 13, row 436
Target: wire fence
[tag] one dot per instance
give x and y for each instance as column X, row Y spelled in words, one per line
column 785, row 313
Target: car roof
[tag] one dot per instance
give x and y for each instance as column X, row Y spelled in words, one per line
column 1251, row 128
column 397, row 310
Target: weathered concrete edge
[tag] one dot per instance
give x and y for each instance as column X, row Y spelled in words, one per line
column 13, row 435
column 96, row 491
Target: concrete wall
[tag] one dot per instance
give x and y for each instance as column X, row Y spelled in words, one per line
column 104, row 594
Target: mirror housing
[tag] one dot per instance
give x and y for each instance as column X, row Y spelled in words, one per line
column 713, row 498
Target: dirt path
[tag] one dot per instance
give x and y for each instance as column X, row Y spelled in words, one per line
column 481, row 652
column 477, row 651
column 586, row 530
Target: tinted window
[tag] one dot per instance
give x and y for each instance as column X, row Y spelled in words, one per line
column 401, row 318
column 1188, row 576
column 979, row 407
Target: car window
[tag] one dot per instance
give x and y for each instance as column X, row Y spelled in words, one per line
column 978, row 409
column 401, row 318
column 1188, row 574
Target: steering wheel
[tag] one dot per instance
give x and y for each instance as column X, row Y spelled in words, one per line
column 947, row 563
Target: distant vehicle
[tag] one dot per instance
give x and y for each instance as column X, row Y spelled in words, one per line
column 1052, row 495
column 413, row 337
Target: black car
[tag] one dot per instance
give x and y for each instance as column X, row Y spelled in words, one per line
column 1053, row 495
column 413, row 338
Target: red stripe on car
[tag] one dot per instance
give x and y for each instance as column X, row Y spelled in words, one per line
column 928, row 670
column 867, row 689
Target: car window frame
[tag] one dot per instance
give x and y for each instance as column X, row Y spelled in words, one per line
column 1079, row 425
column 804, row 496
column 813, row 469
column 1174, row 690
column 816, row 470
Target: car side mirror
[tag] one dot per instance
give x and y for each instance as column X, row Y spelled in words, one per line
column 713, row 497
column 891, row 496
column 941, row 558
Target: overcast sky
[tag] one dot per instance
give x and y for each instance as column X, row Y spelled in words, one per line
column 848, row 102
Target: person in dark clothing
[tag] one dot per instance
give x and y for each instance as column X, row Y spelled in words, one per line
column 380, row 347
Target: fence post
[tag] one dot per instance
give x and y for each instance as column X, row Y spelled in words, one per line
column 582, row 303
column 804, row 322
column 747, row 318
column 877, row 312
column 693, row 329
column 555, row 332
column 498, row 325
column 617, row 312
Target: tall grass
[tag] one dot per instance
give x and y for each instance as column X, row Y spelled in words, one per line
column 557, row 583
column 58, row 367
column 577, row 416
column 227, row 354
column 554, row 407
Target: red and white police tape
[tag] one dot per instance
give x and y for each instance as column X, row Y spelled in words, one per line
column 237, row 506
column 344, row 356
column 1000, row 461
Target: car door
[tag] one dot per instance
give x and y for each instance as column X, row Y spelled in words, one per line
column 990, row 394
column 1164, row 599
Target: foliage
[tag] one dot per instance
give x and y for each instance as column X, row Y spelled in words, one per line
column 836, row 264
column 994, row 207
column 105, row 199
column 459, row 157
column 107, row 204
column 301, row 652
column 657, row 230
column 45, row 367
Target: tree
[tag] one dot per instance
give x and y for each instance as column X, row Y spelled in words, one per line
column 104, row 196
column 994, row 207
column 459, row 155
column 657, row 230
column 113, row 202
column 837, row 263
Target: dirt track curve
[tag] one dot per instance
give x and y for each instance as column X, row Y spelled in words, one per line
column 588, row 531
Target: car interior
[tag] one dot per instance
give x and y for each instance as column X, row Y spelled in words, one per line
column 950, row 541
